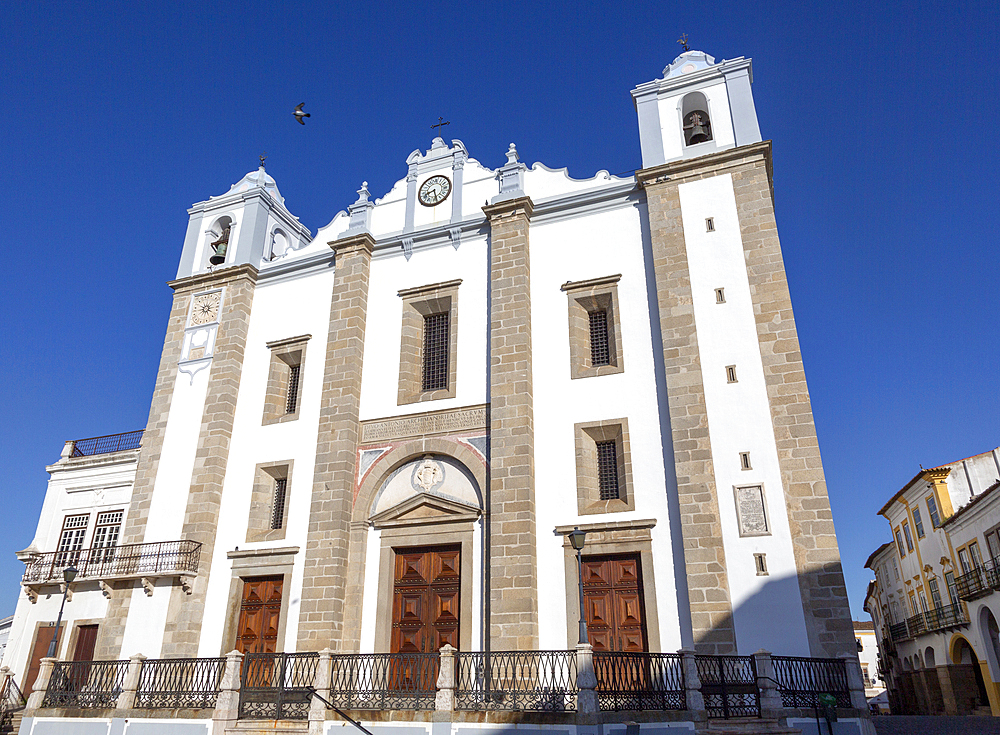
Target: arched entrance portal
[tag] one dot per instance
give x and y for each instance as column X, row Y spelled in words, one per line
column 421, row 585
column 967, row 677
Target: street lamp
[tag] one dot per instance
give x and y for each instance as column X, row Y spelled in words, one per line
column 69, row 574
column 577, row 538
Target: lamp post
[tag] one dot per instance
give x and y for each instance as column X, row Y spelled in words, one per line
column 577, row 538
column 69, row 574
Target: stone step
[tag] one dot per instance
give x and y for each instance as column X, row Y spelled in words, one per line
column 748, row 726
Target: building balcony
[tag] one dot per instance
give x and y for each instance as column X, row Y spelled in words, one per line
column 980, row 582
column 147, row 562
column 939, row 618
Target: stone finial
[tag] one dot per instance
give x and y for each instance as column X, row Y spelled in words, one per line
column 361, row 210
column 511, row 177
column 512, row 154
column 363, row 193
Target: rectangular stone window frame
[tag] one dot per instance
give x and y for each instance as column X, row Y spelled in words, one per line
column 588, row 491
column 257, row 563
column 595, row 294
column 420, row 302
column 285, row 354
column 759, row 486
column 609, row 538
column 760, row 564
column 266, row 476
column 720, row 295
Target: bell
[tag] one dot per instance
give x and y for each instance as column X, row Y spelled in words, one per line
column 699, row 134
column 219, row 256
column 696, row 126
column 220, row 245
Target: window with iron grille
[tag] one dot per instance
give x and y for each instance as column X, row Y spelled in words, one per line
column 600, row 349
column 278, row 507
column 435, row 363
column 607, row 469
column 293, row 388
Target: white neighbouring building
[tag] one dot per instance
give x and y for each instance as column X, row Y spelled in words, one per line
column 377, row 438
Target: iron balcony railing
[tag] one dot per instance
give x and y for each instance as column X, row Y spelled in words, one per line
column 899, row 632
column 11, row 701
column 927, row 622
column 802, row 680
column 107, row 444
column 384, row 681
column 640, row 681
column 116, row 562
column 173, row 683
column 516, row 680
column 729, row 686
column 85, row 684
column 277, row 686
column 979, row 582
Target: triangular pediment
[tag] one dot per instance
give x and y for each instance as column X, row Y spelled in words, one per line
column 423, row 508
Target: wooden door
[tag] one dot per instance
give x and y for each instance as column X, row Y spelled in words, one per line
column 41, row 649
column 614, row 604
column 425, row 599
column 260, row 611
column 86, row 641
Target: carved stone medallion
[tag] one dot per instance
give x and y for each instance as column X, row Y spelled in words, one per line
column 427, row 475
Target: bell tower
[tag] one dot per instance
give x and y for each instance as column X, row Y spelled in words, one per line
column 697, row 107
column 247, row 224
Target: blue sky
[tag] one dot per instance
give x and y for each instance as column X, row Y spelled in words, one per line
column 116, row 117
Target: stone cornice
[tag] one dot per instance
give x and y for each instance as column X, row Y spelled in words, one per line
column 510, row 208
column 362, row 241
column 288, row 341
column 430, row 288
column 678, row 171
column 215, row 278
column 70, row 464
column 590, row 283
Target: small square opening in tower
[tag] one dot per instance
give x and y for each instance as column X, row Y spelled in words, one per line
column 710, row 224
column 745, row 461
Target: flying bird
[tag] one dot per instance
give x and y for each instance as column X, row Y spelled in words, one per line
column 299, row 114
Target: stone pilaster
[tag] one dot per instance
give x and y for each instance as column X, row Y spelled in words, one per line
column 324, row 581
column 112, row 629
column 513, row 621
column 704, row 556
column 204, row 500
column 817, row 557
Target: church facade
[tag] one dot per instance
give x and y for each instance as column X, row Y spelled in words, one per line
column 379, row 437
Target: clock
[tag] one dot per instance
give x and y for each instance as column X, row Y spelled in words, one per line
column 434, row 191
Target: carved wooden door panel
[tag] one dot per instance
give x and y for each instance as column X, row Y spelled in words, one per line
column 260, row 612
column 614, row 604
column 41, row 648
column 425, row 599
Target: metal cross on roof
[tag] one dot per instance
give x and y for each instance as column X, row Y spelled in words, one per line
column 683, row 41
column 440, row 123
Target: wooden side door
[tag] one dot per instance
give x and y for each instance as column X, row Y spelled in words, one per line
column 425, row 599
column 614, row 603
column 86, row 641
column 41, row 649
column 260, row 612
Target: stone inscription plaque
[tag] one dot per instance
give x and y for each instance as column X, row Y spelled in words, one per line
column 435, row 423
column 750, row 511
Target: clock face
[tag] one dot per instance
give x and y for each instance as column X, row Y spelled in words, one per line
column 434, row 191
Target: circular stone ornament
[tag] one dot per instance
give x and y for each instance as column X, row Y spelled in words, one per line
column 434, row 191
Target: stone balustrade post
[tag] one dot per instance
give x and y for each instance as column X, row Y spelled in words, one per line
column 770, row 697
column 855, row 682
column 586, row 681
column 126, row 698
column 5, row 676
column 45, row 667
column 227, row 704
column 317, row 707
column 444, row 700
column 692, row 685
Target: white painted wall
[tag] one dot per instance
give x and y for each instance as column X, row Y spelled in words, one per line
column 671, row 123
column 739, row 420
column 572, row 250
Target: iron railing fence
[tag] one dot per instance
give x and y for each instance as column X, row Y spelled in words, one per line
column 729, row 686
column 899, row 631
column 384, row 681
column 802, row 680
column 107, row 444
column 127, row 560
column 277, row 686
column 936, row 619
column 172, row 683
column 516, row 680
column 640, row 681
column 979, row 582
column 11, row 700
column 85, row 684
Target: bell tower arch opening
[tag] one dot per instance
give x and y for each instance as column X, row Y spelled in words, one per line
column 696, row 121
column 217, row 241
